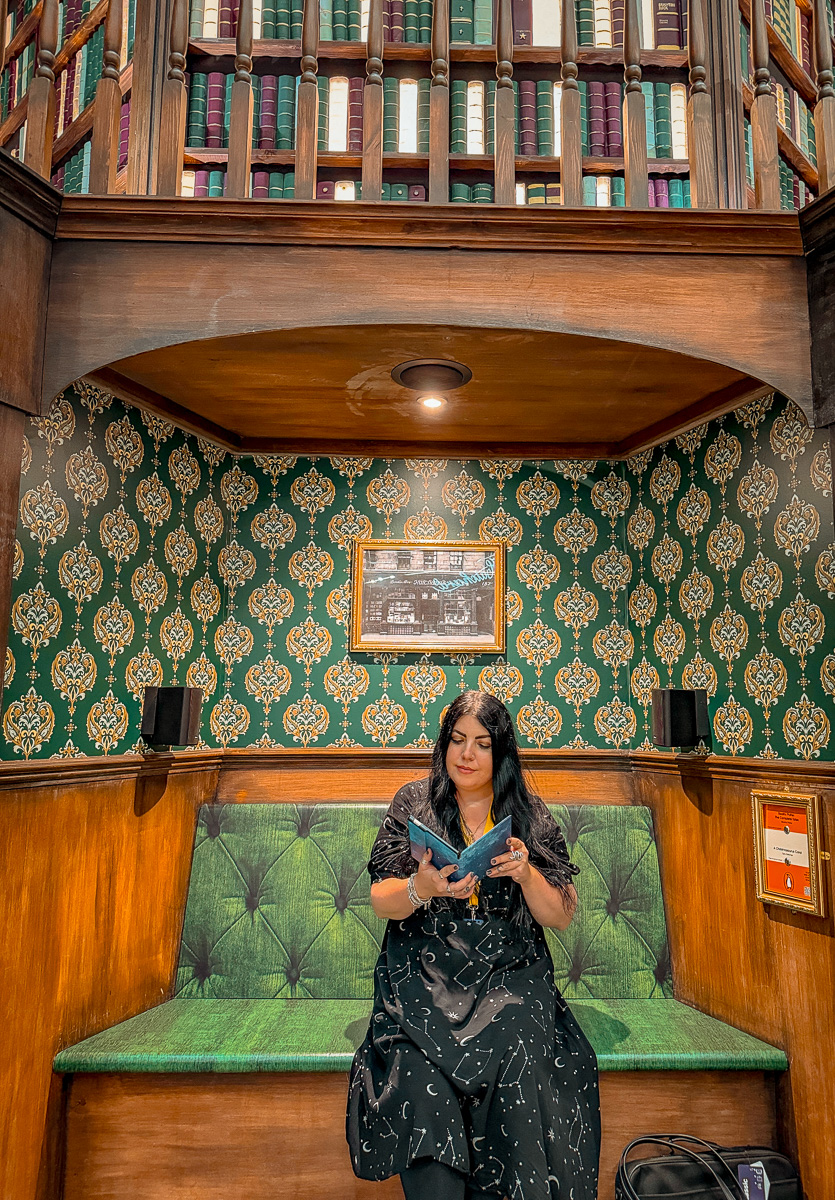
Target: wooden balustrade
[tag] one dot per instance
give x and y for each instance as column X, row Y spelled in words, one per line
column 636, row 178
column 241, row 109
column 505, row 110
column 763, row 116
column 307, row 117
column 439, row 106
column 372, row 107
column 825, row 106
column 700, row 144
column 104, row 157
column 40, row 127
column 571, row 138
column 174, row 107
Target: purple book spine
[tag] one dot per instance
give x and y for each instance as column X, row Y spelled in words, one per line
column 597, row 120
column 325, row 190
column 527, row 117
column 618, row 21
column 67, row 115
column 124, row 134
column 614, row 134
column 651, row 192
column 356, row 86
column 214, row 110
column 201, row 183
column 417, row 192
column 396, row 20
column 267, row 113
column 260, row 185
column 522, row 23
column 662, row 193
column 224, row 23
column 386, row 20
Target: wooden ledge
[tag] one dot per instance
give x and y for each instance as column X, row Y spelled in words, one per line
column 453, row 226
column 60, row 772
column 27, row 196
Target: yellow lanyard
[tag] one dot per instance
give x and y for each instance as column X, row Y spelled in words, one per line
column 468, row 840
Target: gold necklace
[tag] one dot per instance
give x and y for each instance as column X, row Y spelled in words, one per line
column 474, row 836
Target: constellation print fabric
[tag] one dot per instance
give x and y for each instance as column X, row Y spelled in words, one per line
column 472, row 1057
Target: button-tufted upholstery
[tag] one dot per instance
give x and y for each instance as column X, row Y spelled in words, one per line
column 279, row 906
column 279, row 945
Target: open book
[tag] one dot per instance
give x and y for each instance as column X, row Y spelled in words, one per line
column 475, row 857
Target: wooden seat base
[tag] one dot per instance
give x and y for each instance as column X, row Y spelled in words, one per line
column 253, row 1137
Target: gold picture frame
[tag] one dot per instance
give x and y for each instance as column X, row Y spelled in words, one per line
column 417, row 597
column 787, row 851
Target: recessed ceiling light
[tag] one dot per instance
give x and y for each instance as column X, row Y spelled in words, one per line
column 431, row 376
column 432, row 401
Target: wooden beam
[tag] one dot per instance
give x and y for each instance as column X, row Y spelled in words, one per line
column 372, row 107
column 40, row 117
column 700, row 133
column 104, row 156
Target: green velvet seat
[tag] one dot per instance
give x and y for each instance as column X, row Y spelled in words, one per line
column 279, row 945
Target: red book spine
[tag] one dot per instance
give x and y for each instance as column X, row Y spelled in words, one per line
column 597, row 119
column 124, row 134
column 396, row 20
column 417, row 192
column 668, row 24
column 356, row 86
column 527, row 117
column 214, row 109
column 267, row 113
column 769, row 11
column 201, row 183
column 618, row 21
column 67, row 114
column 522, row 24
column 386, row 20
column 224, row 23
column 796, row 191
column 651, row 192
column 260, row 185
column 325, row 190
column 662, row 193
column 806, row 42
column 614, row 130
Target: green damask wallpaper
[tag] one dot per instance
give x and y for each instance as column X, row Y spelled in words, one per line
column 146, row 555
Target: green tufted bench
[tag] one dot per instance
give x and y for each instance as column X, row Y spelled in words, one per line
column 276, row 964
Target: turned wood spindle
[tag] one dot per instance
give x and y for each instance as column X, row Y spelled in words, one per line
column 505, row 115
column 241, row 109
column 636, row 181
column 172, row 130
column 104, row 154
column 40, row 119
column 571, row 135
column 372, row 107
column 700, row 144
column 763, row 116
column 307, row 119
column 439, row 106
column 825, row 105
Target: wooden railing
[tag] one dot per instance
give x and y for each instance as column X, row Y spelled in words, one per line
column 503, row 162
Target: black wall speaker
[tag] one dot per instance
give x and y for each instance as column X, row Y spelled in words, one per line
column 679, row 716
column 171, row 716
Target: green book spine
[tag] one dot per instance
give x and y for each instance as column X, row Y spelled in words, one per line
column 195, row 27
column 545, row 116
column 215, row 183
column 810, row 133
column 590, row 191
column 276, row 190
column 535, row 193
column 358, row 190
column 256, row 110
column 663, row 121
column 296, row 15
column 483, row 22
column 782, row 20
column 749, row 155
column 85, row 58
column 268, row 20
column 461, row 17
column 340, row 20
column 391, row 115
column 385, row 192
column 459, row 193
column 585, row 22
column 618, row 192
column 490, row 143
column 745, row 50
column 424, row 86
column 227, row 108
column 411, row 21
column 649, row 109
column 458, row 117
column 196, row 126
column 289, row 185
column 685, row 187
column 482, row 193
column 584, row 115
column 282, row 20
column 399, row 192
column 323, row 83
column 676, row 191
column 326, row 20
column 355, row 20
column 425, row 21
column 285, row 113
column 88, row 147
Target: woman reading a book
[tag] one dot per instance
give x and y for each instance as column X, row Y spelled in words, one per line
column 474, row 1079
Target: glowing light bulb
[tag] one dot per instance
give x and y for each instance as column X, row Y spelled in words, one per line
column 432, row 401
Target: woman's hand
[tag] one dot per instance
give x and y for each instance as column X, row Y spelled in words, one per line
column 514, row 864
column 431, row 882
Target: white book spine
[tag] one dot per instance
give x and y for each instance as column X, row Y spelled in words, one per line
column 210, row 18
column 557, row 119
column 365, row 6
column 604, row 191
column 521, row 194
column 647, row 25
column 475, row 117
column 602, row 23
column 407, row 133
column 338, row 113
column 678, row 119
column 257, row 8
column 345, row 189
column 547, row 22
column 187, row 187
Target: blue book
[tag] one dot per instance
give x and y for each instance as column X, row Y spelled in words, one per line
column 475, row 857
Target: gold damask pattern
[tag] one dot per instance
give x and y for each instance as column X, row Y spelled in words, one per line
column 148, row 556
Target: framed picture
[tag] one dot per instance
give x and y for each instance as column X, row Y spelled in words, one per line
column 787, row 851
column 420, row 596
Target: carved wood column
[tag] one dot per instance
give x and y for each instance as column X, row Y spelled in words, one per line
column 172, row 140
column 763, row 116
column 439, row 106
column 701, row 145
column 372, row 106
column 40, row 117
column 571, row 134
column 825, row 107
column 634, row 114
column 307, row 118
column 153, row 18
column 240, row 118
column 104, row 157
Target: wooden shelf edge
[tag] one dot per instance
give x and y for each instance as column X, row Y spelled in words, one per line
column 785, row 60
column 83, row 123
column 787, row 146
column 23, row 35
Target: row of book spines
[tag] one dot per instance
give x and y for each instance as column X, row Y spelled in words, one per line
column 16, row 14
column 280, row 185
column 794, row 192
column 794, row 28
column 16, row 77
column 800, row 45
column 74, row 175
column 75, row 87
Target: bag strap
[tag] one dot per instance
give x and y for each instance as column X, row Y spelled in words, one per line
column 672, row 1143
column 712, row 1148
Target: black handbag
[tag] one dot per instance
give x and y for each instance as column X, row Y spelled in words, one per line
column 706, row 1173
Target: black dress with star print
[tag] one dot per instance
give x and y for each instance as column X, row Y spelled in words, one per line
column 472, row 1056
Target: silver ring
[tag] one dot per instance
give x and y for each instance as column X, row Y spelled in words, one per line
column 449, row 889
column 517, row 854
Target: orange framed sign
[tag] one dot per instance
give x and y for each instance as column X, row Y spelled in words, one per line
column 787, row 851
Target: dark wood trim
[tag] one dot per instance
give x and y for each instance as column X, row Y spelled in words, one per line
column 75, row 772
column 143, row 397
column 27, row 196
column 817, row 224
column 290, row 222
column 711, row 406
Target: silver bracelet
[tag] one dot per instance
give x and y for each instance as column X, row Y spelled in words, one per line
column 411, row 890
